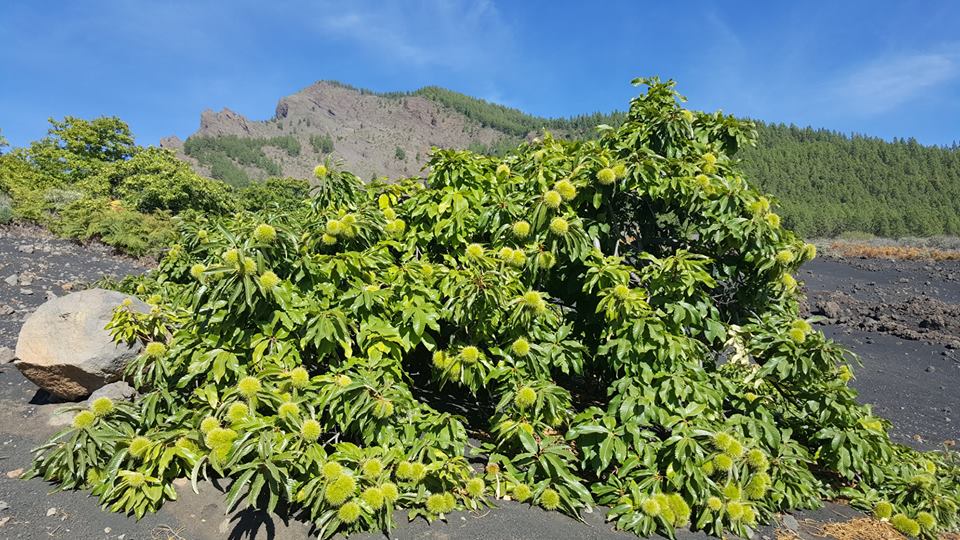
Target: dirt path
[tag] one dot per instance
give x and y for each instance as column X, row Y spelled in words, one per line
column 913, row 382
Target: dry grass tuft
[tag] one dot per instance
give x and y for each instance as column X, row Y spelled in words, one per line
column 861, row 529
column 908, row 253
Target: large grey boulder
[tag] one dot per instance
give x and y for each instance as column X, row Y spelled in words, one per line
column 64, row 348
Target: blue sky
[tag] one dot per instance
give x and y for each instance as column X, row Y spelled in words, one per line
column 889, row 69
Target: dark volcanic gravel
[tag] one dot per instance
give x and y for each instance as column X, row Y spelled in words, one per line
column 35, row 266
column 910, row 375
column 904, row 324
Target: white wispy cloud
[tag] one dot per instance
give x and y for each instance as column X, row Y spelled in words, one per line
column 886, row 83
column 431, row 33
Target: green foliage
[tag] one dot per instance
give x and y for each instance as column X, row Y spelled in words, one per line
column 88, row 180
column 154, row 179
column 829, row 183
column 274, row 193
column 499, row 148
column 400, row 154
column 222, row 154
column 826, row 182
column 287, row 143
column 322, row 144
column 75, row 148
column 621, row 307
column 512, row 121
column 6, row 209
column 129, row 231
column 224, row 169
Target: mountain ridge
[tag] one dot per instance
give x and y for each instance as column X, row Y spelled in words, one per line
column 371, row 134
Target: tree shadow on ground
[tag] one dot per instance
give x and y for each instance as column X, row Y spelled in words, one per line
column 247, row 524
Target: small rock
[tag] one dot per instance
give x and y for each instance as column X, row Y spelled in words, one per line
column 26, row 280
column 15, row 473
column 61, row 417
column 28, row 249
column 931, row 369
column 790, row 522
column 28, row 292
column 51, row 511
column 829, row 309
column 4, row 505
column 117, row 391
column 13, row 280
column 107, row 530
column 51, row 295
column 6, row 310
column 6, row 355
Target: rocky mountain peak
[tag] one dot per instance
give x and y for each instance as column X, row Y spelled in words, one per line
column 225, row 122
column 370, row 134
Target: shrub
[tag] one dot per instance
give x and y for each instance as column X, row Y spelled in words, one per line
column 322, row 144
column 287, row 143
column 222, row 168
column 274, row 193
column 666, row 372
column 6, row 210
column 225, row 153
column 57, row 199
column 129, row 231
column 87, row 180
column 154, row 179
column 75, row 149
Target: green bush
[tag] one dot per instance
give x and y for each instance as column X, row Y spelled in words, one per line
column 75, row 148
column 6, row 210
column 830, row 183
column 322, row 144
column 287, row 143
column 154, row 179
column 56, row 199
column 224, row 154
column 131, row 232
column 274, row 193
column 222, row 168
column 87, row 179
column 621, row 314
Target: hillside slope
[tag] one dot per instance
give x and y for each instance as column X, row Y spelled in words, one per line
column 827, row 182
column 372, row 134
column 830, row 183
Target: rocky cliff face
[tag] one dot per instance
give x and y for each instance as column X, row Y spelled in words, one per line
column 371, row 134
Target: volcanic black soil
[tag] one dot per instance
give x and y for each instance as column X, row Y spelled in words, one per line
column 901, row 318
